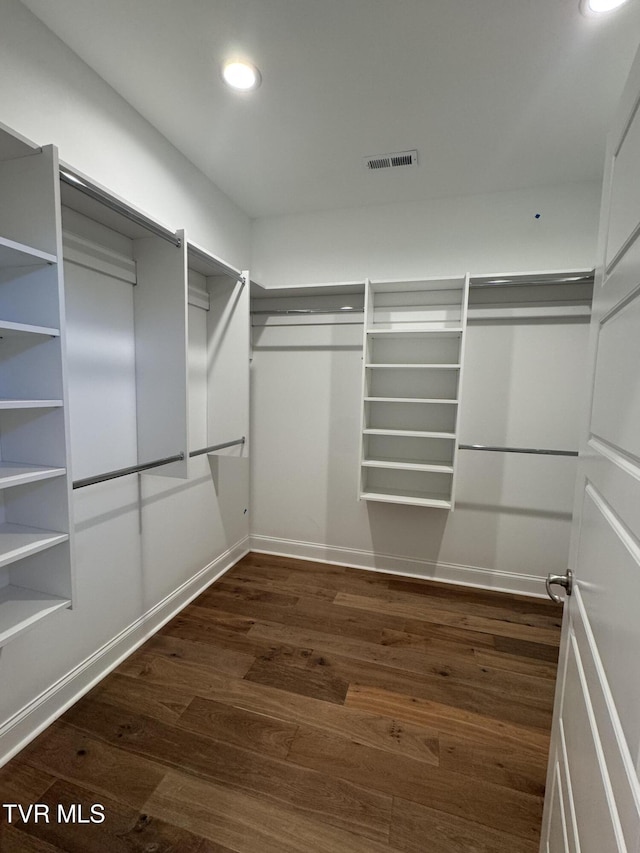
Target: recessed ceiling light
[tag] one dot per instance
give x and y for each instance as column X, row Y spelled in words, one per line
column 592, row 8
column 241, row 76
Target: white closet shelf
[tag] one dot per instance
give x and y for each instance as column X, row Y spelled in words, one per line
column 18, row 541
column 424, row 285
column 400, row 497
column 17, row 474
column 408, row 465
column 410, row 433
column 434, row 327
column 387, row 366
column 414, row 331
column 14, row 254
column 21, row 608
column 410, row 400
column 9, row 329
column 30, row 404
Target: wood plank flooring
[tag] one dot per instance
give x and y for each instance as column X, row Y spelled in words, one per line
column 299, row 707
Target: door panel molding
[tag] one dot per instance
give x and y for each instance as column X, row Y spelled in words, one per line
column 609, row 585
column 629, row 464
column 596, row 814
column 617, row 758
column 558, row 825
column 624, row 213
column 567, row 792
column 615, row 522
column 616, row 404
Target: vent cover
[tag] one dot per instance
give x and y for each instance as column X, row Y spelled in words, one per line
column 391, row 161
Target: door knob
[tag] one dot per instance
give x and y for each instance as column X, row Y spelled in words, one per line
column 565, row 581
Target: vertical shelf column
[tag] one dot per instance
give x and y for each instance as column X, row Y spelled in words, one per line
column 413, row 352
column 228, row 333
column 225, row 291
column 36, row 571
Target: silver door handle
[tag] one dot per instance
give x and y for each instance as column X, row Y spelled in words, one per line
column 565, row 581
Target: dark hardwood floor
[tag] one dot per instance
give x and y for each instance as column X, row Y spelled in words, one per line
column 311, row 708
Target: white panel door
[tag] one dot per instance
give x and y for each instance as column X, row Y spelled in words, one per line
column 593, row 795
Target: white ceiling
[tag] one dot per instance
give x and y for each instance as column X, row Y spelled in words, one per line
column 494, row 94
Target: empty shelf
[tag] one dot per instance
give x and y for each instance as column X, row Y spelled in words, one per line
column 415, row 330
column 17, row 474
column 400, row 497
column 409, row 400
column 408, row 465
column 410, row 433
column 30, row 404
column 21, row 608
column 411, row 328
column 414, row 366
column 424, row 285
column 14, row 254
column 9, row 329
column 18, row 541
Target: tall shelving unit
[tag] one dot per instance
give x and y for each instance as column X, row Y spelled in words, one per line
column 413, row 356
column 36, row 576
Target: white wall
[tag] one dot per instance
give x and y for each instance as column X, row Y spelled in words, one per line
column 523, row 387
column 483, row 233
column 136, row 552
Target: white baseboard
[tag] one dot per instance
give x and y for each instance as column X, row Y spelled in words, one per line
column 27, row 723
column 406, row 567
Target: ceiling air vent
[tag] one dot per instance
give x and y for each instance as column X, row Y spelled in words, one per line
column 391, row 161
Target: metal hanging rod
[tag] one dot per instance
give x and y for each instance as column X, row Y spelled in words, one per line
column 532, row 280
column 213, row 447
column 123, row 472
column 69, row 177
column 296, row 312
column 537, row 450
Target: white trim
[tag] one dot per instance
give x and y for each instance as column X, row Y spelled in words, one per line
column 606, row 723
column 198, row 297
column 474, row 576
column 596, row 741
column 617, row 525
column 485, row 313
column 333, row 319
column 85, row 253
column 27, row 723
column 615, row 455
